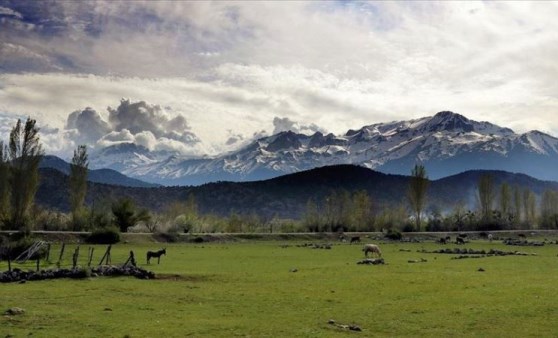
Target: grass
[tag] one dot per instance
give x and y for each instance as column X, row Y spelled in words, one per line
column 247, row 289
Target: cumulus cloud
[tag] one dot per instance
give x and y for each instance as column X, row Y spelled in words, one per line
column 138, row 117
column 133, row 122
column 89, row 125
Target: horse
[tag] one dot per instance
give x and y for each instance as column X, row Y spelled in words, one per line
column 151, row 254
column 373, row 248
column 355, row 239
column 459, row 240
column 490, row 237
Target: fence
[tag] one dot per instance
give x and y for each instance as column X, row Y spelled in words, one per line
column 39, row 256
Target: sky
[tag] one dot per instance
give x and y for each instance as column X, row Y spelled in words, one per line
column 201, row 78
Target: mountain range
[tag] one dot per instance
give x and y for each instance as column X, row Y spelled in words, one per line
column 286, row 196
column 446, row 144
column 105, row 176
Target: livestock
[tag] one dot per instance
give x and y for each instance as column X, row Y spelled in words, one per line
column 373, row 248
column 490, row 238
column 459, row 240
column 355, row 239
column 151, row 254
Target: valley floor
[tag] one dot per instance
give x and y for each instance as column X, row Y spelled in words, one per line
column 284, row 289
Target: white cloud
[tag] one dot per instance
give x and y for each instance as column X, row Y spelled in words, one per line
column 236, row 66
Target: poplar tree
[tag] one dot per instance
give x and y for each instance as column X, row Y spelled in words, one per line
column 418, row 186
column 485, row 189
column 4, row 183
column 78, row 183
column 24, row 156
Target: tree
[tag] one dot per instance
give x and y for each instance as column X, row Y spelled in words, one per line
column 311, row 219
column 418, row 186
column 4, row 183
column 517, row 205
column 549, row 209
column 24, row 155
column 529, row 206
column 126, row 215
column 505, row 199
column 362, row 211
column 485, row 189
column 78, row 182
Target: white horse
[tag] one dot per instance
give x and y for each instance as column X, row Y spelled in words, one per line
column 490, row 237
column 373, row 248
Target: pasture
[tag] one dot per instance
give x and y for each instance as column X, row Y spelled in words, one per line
column 261, row 289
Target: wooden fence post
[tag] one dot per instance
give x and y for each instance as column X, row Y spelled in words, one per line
column 48, row 252
column 61, row 254
column 75, row 257
column 106, row 256
column 131, row 259
column 38, row 260
column 90, row 255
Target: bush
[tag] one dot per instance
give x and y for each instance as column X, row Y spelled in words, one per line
column 408, row 228
column 16, row 244
column 394, row 234
column 109, row 235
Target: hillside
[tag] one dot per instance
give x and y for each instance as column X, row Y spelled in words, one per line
column 106, row 176
column 286, row 196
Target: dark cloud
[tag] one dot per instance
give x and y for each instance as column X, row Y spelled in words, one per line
column 140, row 116
column 136, row 122
column 89, row 125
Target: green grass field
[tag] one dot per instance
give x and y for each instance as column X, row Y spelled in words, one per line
column 247, row 289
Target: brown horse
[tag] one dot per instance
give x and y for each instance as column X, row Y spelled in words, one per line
column 151, row 254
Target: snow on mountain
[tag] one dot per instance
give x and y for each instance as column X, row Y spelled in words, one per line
column 446, row 143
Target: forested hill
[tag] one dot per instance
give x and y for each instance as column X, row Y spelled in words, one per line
column 287, row 196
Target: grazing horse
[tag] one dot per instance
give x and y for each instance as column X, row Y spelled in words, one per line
column 151, row 254
column 355, row 239
column 373, row 248
column 490, row 237
column 459, row 240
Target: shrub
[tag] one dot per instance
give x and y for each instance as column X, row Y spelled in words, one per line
column 394, row 234
column 408, row 228
column 16, row 244
column 109, row 235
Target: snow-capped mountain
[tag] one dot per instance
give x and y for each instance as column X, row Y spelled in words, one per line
column 446, row 144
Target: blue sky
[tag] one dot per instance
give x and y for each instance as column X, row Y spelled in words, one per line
column 231, row 71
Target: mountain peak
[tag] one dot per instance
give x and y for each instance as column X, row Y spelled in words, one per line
column 447, row 115
column 449, row 121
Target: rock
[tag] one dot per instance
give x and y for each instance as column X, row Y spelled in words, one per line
column 293, row 270
column 107, row 309
column 481, row 270
column 14, row 311
column 331, row 322
column 355, row 328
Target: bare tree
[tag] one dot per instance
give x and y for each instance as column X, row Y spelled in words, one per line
column 78, row 182
column 505, row 201
column 517, row 205
column 485, row 189
column 418, row 186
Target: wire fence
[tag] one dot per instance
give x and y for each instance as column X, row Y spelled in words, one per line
column 45, row 255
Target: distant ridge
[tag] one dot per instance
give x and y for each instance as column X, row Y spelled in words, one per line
column 286, row 196
column 105, row 176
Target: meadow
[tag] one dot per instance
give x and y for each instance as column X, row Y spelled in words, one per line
column 278, row 289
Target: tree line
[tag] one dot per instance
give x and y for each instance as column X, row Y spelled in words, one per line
column 498, row 207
